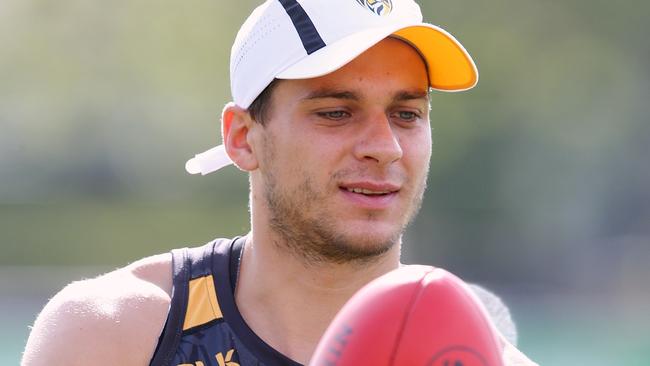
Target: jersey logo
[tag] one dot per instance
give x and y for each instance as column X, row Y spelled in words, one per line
column 227, row 361
column 379, row 7
column 221, row 360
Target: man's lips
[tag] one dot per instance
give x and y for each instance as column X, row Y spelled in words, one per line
column 370, row 195
column 370, row 188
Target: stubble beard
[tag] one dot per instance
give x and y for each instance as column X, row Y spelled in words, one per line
column 307, row 232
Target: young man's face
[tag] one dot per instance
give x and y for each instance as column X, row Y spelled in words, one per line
column 344, row 157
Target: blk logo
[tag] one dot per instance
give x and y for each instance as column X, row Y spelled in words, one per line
column 221, row 360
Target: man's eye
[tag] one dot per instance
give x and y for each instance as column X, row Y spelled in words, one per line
column 407, row 115
column 335, row 115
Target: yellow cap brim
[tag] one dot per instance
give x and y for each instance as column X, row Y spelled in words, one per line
column 450, row 66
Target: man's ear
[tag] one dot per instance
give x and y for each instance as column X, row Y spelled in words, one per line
column 236, row 125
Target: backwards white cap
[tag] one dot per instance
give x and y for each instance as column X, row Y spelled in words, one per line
column 290, row 39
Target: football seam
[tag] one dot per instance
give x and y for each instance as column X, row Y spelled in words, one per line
column 407, row 314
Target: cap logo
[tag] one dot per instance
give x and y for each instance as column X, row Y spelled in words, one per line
column 379, row 7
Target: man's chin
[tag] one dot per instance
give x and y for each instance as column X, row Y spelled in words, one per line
column 362, row 246
column 371, row 235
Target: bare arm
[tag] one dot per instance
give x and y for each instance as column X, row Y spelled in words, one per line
column 513, row 357
column 114, row 319
column 504, row 323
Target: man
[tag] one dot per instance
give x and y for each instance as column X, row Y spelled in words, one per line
column 330, row 120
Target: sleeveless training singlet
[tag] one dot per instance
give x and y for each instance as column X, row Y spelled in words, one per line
column 204, row 327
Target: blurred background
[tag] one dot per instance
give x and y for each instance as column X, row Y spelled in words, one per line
column 540, row 179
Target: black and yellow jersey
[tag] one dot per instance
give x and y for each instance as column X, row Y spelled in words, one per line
column 204, row 327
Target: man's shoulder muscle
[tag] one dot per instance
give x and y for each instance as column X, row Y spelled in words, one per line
column 113, row 319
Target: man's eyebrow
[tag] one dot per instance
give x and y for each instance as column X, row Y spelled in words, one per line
column 331, row 93
column 349, row 95
column 410, row 95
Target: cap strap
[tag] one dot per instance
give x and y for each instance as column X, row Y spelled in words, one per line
column 307, row 32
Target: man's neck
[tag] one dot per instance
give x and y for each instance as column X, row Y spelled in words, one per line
column 288, row 302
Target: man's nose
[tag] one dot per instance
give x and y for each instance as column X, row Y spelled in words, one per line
column 378, row 141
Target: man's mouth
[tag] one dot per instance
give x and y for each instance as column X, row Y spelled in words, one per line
column 370, row 195
column 370, row 189
column 369, row 192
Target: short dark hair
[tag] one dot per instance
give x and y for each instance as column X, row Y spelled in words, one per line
column 261, row 106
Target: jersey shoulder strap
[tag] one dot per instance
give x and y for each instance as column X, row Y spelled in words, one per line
column 193, row 273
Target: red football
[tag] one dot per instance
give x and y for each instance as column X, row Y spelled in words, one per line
column 413, row 316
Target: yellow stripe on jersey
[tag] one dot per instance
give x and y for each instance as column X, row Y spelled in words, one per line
column 202, row 305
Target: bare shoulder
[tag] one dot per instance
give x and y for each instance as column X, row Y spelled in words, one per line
column 113, row 319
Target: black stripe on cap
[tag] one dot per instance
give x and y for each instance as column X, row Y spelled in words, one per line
column 307, row 32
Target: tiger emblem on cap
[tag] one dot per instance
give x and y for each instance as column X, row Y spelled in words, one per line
column 379, row 7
